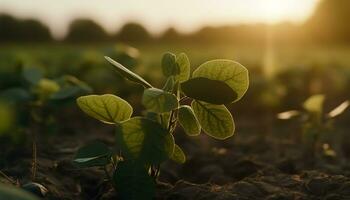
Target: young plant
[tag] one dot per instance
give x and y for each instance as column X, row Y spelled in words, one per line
column 36, row 94
column 144, row 142
column 316, row 123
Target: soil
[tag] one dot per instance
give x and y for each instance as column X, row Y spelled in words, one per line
column 251, row 165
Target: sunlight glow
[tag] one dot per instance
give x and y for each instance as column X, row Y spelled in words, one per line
column 158, row 15
column 274, row 11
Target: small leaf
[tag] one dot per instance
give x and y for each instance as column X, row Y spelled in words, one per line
column 169, row 65
column 35, row 188
column 169, row 84
column 339, row 109
column 93, row 155
column 189, row 121
column 314, row 104
column 127, row 73
column 211, row 91
column 184, row 67
column 232, row 73
column 133, row 181
column 107, row 108
column 46, row 87
column 144, row 140
column 66, row 92
column 16, row 95
column 13, row 193
column 32, row 74
column 288, row 114
column 178, row 155
column 159, row 101
column 215, row 120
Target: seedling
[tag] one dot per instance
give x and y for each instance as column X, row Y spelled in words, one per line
column 37, row 93
column 144, row 142
column 316, row 123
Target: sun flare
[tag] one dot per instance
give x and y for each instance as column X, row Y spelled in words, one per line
column 273, row 11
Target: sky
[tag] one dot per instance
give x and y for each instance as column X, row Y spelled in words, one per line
column 158, row 15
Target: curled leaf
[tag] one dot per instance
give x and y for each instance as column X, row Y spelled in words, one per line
column 189, row 121
column 127, row 73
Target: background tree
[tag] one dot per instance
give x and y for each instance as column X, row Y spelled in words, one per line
column 330, row 22
column 85, row 30
column 133, row 32
column 15, row 30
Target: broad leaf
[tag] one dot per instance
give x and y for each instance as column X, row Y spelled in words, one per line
column 159, row 101
column 189, row 121
column 133, row 181
column 93, row 155
column 169, row 65
column 184, row 67
column 127, row 73
column 107, row 108
column 232, row 73
column 144, row 140
column 215, row 120
column 32, row 74
column 211, row 91
column 314, row 104
column 13, row 193
column 178, row 155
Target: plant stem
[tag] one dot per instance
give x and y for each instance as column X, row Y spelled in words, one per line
column 37, row 110
column 34, row 156
column 109, row 178
column 107, row 174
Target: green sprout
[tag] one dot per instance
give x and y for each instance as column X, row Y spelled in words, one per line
column 316, row 123
column 35, row 95
column 144, row 142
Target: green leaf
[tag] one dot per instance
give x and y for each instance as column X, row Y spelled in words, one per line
column 189, row 121
column 178, row 155
column 159, row 101
column 144, row 140
column 107, row 108
column 127, row 73
column 46, row 87
column 133, row 181
column 13, row 193
column 65, row 93
column 215, row 120
column 228, row 71
column 339, row 109
column 169, row 65
column 314, row 104
column 32, row 74
column 169, row 84
column 93, row 155
column 16, row 95
column 211, row 91
column 184, row 67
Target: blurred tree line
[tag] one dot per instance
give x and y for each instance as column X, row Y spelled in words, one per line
column 328, row 25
